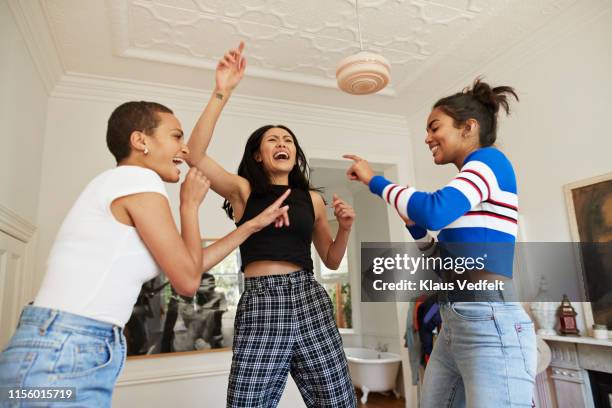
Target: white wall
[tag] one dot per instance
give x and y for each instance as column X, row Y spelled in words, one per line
column 75, row 152
column 558, row 133
column 23, row 112
column 378, row 319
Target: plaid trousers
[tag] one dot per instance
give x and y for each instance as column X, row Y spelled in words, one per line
column 284, row 324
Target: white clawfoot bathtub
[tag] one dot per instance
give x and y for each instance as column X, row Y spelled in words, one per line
column 372, row 371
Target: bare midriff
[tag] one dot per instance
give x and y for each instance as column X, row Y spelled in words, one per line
column 266, row 268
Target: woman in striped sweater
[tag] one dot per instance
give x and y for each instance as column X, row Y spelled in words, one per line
column 486, row 350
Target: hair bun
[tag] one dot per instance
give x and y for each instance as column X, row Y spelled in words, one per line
column 491, row 98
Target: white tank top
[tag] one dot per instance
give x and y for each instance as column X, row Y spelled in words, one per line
column 97, row 265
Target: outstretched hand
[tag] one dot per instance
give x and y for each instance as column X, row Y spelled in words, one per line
column 360, row 169
column 230, row 69
column 274, row 213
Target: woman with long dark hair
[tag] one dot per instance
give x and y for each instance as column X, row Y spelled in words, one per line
column 118, row 234
column 284, row 321
column 485, row 354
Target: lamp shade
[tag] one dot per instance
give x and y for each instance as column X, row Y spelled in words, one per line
column 363, row 73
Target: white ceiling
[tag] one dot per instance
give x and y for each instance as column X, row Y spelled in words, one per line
column 293, row 46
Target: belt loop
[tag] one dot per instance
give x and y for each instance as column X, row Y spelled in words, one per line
column 43, row 329
column 116, row 333
column 21, row 314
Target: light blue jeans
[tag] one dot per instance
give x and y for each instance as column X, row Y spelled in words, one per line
column 58, row 349
column 485, row 356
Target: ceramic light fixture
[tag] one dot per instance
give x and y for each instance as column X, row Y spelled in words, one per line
column 365, row 72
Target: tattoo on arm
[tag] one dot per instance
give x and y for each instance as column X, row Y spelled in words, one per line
column 219, row 95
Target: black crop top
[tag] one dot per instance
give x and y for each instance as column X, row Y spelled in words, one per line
column 290, row 244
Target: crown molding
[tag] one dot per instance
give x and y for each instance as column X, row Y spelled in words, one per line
column 32, row 21
column 256, row 72
column 15, row 225
column 120, row 23
column 34, row 27
column 105, row 89
column 565, row 25
column 574, row 18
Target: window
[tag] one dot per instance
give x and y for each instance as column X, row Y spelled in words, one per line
column 337, row 284
column 228, row 278
column 162, row 321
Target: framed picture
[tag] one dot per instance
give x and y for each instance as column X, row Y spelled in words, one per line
column 589, row 204
column 164, row 322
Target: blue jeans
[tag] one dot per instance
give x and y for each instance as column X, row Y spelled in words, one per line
column 52, row 348
column 484, row 356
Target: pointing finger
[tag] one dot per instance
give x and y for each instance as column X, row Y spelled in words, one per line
column 280, row 199
column 353, row 157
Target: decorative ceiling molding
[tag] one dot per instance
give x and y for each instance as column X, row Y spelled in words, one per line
column 570, row 20
column 33, row 24
column 506, row 24
column 564, row 25
column 297, row 42
column 104, row 89
column 256, row 72
column 303, row 42
column 435, row 62
column 159, row 31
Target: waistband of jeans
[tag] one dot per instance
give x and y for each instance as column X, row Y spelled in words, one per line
column 506, row 295
column 301, row 276
column 46, row 319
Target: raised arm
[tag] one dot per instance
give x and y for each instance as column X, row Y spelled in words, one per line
column 229, row 72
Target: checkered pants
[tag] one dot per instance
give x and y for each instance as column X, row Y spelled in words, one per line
column 284, row 324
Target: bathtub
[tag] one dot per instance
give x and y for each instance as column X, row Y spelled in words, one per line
column 372, row 371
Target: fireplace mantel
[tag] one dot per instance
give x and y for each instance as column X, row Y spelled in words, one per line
column 571, row 357
column 577, row 340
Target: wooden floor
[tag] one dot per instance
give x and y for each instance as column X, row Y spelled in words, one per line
column 378, row 400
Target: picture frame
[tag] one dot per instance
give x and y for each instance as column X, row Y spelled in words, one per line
column 589, row 206
column 165, row 323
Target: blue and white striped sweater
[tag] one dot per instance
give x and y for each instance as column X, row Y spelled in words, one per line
column 479, row 205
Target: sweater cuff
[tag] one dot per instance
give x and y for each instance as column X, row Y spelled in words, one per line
column 416, row 231
column 377, row 185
